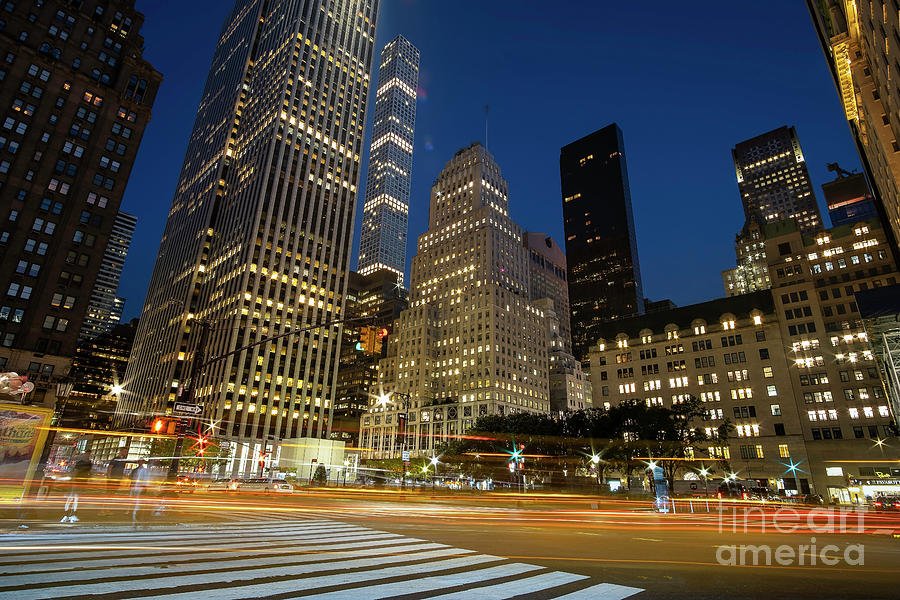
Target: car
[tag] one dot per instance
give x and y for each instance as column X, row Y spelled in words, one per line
column 186, row 484
column 262, row 484
column 225, row 484
column 732, row 490
column 886, row 503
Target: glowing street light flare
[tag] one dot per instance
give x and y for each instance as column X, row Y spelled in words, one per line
column 595, row 459
column 116, row 390
column 434, row 460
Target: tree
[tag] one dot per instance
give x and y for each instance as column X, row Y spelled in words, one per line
column 320, row 476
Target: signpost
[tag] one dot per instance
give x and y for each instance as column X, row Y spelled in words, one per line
column 188, row 410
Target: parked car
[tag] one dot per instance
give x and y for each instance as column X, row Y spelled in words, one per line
column 886, row 503
column 732, row 490
column 262, row 484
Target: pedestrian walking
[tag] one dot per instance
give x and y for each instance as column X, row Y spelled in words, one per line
column 81, row 474
column 140, row 478
column 115, row 471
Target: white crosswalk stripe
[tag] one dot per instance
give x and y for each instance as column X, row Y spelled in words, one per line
column 302, row 557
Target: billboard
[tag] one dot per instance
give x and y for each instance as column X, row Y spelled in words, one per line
column 23, row 431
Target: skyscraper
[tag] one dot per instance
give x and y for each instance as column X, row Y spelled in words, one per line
column 773, row 180
column 471, row 342
column 548, row 279
column 258, row 238
column 601, row 250
column 858, row 39
column 105, row 309
column 76, row 97
column 386, row 210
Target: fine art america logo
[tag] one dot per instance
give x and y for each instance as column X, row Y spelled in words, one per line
column 807, row 552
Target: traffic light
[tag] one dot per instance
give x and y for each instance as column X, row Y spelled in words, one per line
column 366, row 339
column 380, row 338
column 163, row 426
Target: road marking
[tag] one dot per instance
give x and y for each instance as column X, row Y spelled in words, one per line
column 519, row 587
column 321, row 559
column 341, row 579
column 90, row 553
column 244, row 550
column 430, row 584
column 647, row 539
column 172, row 568
column 603, row 591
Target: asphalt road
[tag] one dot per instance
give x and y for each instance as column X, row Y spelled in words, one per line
column 626, row 544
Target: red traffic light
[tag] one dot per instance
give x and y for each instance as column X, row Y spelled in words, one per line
column 383, row 332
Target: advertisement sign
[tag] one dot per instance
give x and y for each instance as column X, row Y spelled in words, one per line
column 23, row 430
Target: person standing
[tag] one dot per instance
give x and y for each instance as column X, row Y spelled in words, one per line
column 140, row 478
column 115, row 472
column 81, row 474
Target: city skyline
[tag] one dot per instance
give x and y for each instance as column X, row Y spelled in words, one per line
column 806, row 99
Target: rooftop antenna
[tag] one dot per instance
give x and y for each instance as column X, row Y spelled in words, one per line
column 486, row 109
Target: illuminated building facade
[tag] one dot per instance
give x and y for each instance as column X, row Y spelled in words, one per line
column 259, row 233
column 859, row 40
column 752, row 271
column 76, row 96
column 386, row 209
column 792, row 367
column 105, row 309
column 601, row 249
column 471, row 342
column 773, row 179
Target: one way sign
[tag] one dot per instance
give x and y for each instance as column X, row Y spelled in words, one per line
column 183, row 408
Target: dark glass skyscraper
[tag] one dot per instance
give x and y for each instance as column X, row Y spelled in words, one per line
column 604, row 272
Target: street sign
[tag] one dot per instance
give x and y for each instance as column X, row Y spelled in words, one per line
column 183, row 408
column 405, row 455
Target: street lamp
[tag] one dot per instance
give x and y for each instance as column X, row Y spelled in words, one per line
column 704, row 472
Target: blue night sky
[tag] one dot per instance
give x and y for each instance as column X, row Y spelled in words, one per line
column 685, row 82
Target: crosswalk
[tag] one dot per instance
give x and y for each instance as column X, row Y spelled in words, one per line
column 282, row 558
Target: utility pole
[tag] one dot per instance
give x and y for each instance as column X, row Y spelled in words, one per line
column 187, row 395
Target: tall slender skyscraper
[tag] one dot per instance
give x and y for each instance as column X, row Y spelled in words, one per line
column 259, row 234
column 773, row 180
column 471, row 343
column 386, row 210
column 601, row 250
column 76, row 96
column 105, row 308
